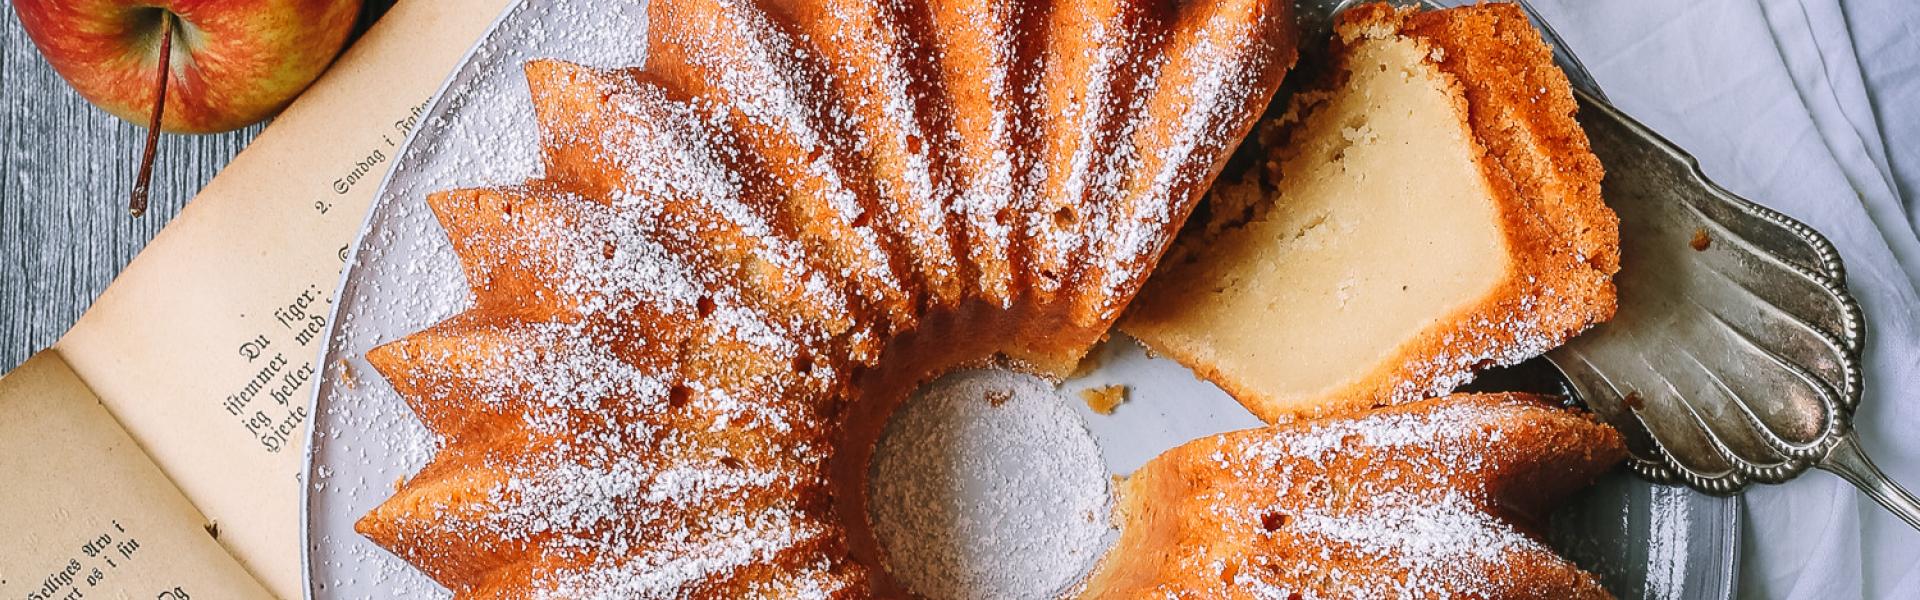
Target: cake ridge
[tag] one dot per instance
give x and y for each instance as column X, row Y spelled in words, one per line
column 1195, row 101
column 664, row 165
column 747, row 73
column 461, row 374
column 1095, row 64
column 864, row 49
column 977, row 54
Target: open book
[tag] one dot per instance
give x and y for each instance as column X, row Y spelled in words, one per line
column 155, row 450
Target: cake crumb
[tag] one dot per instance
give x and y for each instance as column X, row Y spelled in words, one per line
column 998, row 397
column 1700, row 241
column 346, row 375
column 1105, row 398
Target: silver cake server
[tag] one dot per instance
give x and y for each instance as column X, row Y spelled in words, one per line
column 1735, row 356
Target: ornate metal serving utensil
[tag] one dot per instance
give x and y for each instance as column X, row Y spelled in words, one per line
column 1735, row 356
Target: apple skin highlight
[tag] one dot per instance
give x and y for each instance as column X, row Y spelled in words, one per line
column 234, row 62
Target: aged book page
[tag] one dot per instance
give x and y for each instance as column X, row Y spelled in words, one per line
column 87, row 514
column 204, row 348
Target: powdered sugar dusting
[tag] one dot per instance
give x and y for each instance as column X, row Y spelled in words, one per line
column 974, row 47
column 1094, row 84
column 987, row 485
column 1436, row 529
column 1482, row 343
column 760, row 84
column 639, row 403
column 669, row 170
column 883, row 112
column 607, row 445
column 1409, row 502
column 1220, row 65
column 686, row 560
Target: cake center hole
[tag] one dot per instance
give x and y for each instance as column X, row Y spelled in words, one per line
column 986, row 484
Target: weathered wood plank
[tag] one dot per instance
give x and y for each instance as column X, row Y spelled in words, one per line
column 64, row 229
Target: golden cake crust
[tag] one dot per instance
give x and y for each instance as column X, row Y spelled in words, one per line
column 687, row 333
column 1443, row 498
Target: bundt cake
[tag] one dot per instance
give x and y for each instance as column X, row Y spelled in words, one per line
column 1442, row 498
column 688, row 330
column 1431, row 209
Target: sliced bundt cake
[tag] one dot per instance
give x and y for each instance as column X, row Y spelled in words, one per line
column 687, row 332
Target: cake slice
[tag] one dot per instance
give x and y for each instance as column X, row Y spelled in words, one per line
column 1444, row 498
column 1433, row 210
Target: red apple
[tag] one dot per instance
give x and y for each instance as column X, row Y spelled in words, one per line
column 189, row 66
column 234, row 62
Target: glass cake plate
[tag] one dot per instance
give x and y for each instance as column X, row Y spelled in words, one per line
column 1645, row 540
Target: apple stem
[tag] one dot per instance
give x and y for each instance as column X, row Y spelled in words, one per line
column 138, row 203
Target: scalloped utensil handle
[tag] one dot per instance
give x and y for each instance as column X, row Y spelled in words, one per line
column 1847, row 460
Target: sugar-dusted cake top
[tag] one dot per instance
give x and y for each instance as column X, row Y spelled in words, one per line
column 1441, row 498
column 742, row 254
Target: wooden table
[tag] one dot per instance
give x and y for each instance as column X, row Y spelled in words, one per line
column 65, row 169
